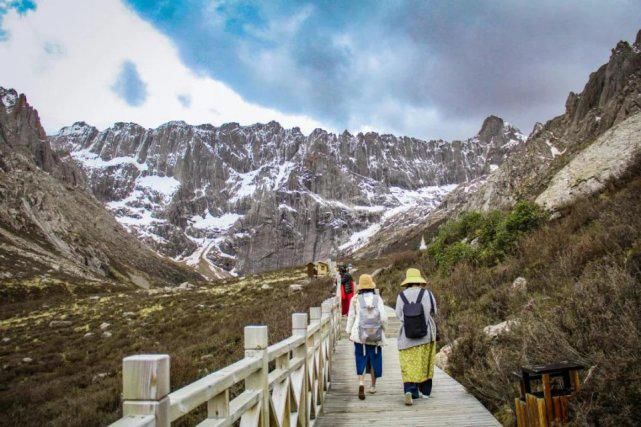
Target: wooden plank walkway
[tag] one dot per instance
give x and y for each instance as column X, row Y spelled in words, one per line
column 450, row 404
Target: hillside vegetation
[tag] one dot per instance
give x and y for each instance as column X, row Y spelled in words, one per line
column 69, row 374
column 581, row 302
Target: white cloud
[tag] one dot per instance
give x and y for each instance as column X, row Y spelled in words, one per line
column 65, row 56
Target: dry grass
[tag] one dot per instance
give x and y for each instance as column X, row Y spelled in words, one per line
column 76, row 381
column 583, row 303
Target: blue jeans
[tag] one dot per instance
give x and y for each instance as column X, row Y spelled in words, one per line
column 425, row 388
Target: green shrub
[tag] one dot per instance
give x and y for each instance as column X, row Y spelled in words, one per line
column 483, row 238
column 456, row 253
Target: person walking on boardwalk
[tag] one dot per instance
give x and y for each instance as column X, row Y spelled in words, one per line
column 347, row 289
column 415, row 308
column 366, row 324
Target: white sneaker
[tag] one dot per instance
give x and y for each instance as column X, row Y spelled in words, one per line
column 408, row 399
column 372, row 390
column 423, row 396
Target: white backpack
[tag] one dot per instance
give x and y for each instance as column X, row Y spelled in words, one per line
column 370, row 327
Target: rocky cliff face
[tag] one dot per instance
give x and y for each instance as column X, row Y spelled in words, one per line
column 242, row 199
column 611, row 96
column 51, row 226
column 612, row 155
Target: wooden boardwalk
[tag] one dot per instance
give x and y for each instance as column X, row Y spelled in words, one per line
column 450, row 404
column 305, row 380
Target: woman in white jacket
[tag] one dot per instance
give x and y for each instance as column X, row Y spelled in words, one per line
column 366, row 324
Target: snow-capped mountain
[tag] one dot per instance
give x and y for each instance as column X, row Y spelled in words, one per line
column 597, row 125
column 239, row 199
column 52, row 231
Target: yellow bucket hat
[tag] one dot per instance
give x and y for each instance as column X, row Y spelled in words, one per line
column 366, row 282
column 413, row 275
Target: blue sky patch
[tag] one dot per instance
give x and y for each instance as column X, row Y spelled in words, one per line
column 129, row 86
column 185, row 100
column 22, row 6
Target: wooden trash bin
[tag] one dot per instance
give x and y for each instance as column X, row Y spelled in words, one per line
column 544, row 393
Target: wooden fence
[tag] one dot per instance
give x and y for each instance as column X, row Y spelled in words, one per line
column 284, row 383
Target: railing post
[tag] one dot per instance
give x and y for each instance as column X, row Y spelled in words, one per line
column 315, row 314
column 337, row 318
column 328, row 334
column 299, row 329
column 145, row 386
column 256, row 342
column 328, row 310
column 218, row 406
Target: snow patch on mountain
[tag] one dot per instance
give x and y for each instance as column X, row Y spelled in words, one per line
column 9, row 98
column 93, row 161
column 163, row 185
column 235, row 199
column 217, row 223
column 424, row 197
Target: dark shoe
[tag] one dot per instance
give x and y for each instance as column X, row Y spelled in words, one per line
column 361, row 392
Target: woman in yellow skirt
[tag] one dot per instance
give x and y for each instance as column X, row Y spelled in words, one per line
column 415, row 308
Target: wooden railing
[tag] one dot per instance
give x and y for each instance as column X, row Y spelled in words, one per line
column 284, row 383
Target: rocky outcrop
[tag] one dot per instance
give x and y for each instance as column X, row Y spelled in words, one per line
column 607, row 159
column 242, row 199
column 611, row 95
column 51, row 226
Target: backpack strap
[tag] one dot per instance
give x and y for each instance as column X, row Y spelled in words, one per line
column 361, row 301
column 420, row 296
column 404, row 298
column 432, row 304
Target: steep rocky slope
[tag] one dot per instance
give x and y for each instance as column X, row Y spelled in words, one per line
column 611, row 96
column 51, row 229
column 606, row 160
column 241, row 199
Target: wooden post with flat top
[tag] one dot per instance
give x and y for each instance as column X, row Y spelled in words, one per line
column 145, row 386
column 256, row 342
column 299, row 329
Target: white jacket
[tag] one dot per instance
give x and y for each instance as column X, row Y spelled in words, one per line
column 353, row 317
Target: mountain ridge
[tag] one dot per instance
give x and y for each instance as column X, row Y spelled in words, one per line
column 230, row 191
column 611, row 95
column 51, row 230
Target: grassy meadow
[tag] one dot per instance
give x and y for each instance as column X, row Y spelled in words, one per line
column 69, row 374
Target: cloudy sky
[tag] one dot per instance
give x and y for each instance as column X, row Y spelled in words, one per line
column 431, row 69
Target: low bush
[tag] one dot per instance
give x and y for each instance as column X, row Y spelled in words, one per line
column 582, row 301
column 483, row 238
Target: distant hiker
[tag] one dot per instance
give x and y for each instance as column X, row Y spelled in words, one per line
column 347, row 289
column 415, row 308
column 366, row 324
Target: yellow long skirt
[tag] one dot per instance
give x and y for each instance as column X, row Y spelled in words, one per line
column 417, row 363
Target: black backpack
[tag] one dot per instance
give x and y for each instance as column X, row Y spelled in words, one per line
column 414, row 321
column 346, row 281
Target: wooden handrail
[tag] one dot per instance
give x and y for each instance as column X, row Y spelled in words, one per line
column 283, row 347
column 186, row 399
column 135, row 421
column 291, row 393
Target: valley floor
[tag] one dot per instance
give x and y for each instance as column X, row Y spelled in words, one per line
column 60, row 356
